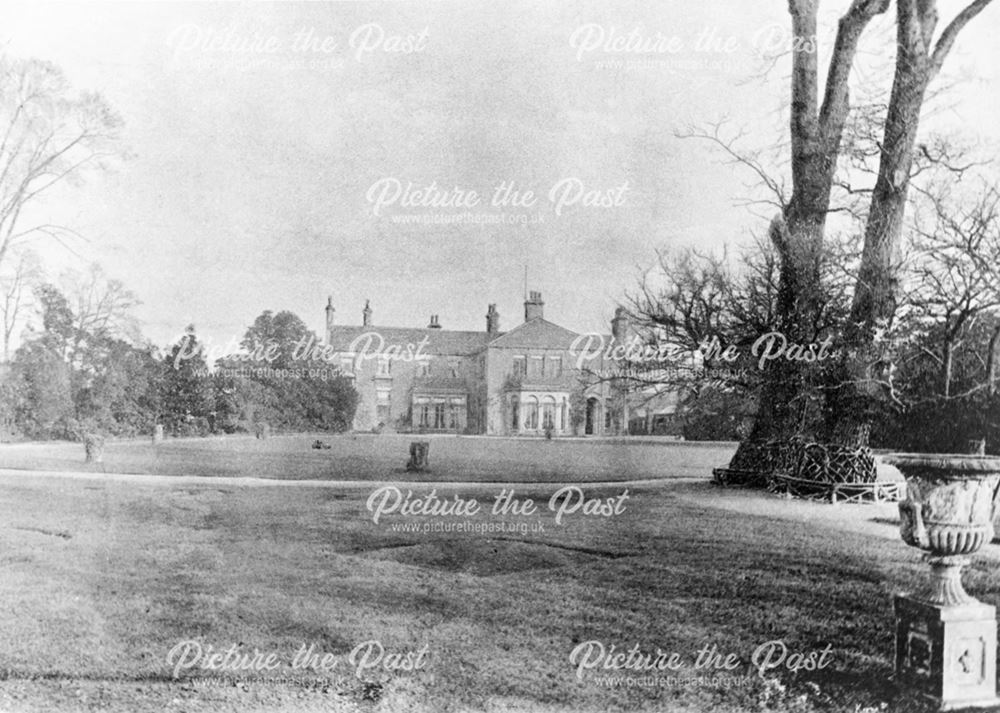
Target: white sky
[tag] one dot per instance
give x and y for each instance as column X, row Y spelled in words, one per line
column 247, row 190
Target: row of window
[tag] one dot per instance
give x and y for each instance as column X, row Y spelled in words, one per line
column 441, row 414
column 533, row 412
column 531, row 367
column 525, row 366
column 384, row 367
column 424, row 368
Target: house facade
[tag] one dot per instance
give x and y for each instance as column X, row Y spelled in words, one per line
column 526, row 381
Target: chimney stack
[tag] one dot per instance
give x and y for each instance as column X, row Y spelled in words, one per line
column 366, row 315
column 434, row 322
column 492, row 320
column 533, row 306
column 619, row 325
column 329, row 317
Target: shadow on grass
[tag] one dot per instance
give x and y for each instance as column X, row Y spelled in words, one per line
column 276, row 568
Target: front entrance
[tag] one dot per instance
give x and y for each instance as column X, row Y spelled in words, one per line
column 591, row 425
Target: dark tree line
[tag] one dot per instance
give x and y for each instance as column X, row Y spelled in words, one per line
column 85, row 371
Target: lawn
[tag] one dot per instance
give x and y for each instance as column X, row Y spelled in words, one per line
column 382, row 457
column 103, row 578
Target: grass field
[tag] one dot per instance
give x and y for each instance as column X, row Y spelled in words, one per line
column 383, row 457
column 101, row 579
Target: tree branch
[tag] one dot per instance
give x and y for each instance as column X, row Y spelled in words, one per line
column 950, row 34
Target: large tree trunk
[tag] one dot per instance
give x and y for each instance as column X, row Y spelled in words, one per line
column 865, row 373
column 780, row 411
column 816, row 133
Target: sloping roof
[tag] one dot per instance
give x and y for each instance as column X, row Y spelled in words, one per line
column 438, row 384
column 440, row 342
column 536, row 334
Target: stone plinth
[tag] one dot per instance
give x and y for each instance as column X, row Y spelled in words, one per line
column 93, row 445
column 947, row 653
column 419, row 456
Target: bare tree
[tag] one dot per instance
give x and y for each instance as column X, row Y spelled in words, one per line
column 685, row 300
column 919, row 58
column 698, row 316
column 48, row 136
column 817, row 129
column 952, row 270
column 818, row 124
column 16, row 285
column 100, row 306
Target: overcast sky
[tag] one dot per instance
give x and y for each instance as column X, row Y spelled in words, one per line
column 272, row 142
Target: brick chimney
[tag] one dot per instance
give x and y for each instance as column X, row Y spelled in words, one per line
column 366, row 315
column 329, row 317
column 492, row 320
column 619, row 325
column 533, row 307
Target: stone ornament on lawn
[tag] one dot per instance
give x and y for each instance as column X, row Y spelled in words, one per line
column 93, row 446
column 419, row 456
column 945, row 638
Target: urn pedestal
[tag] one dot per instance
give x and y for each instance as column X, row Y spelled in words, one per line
column 945, row 639
column 947, row 653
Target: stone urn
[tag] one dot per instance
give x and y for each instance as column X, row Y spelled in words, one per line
column 948, row 513
column 945, row 639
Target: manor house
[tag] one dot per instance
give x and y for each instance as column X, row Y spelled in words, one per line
column 524, row 381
